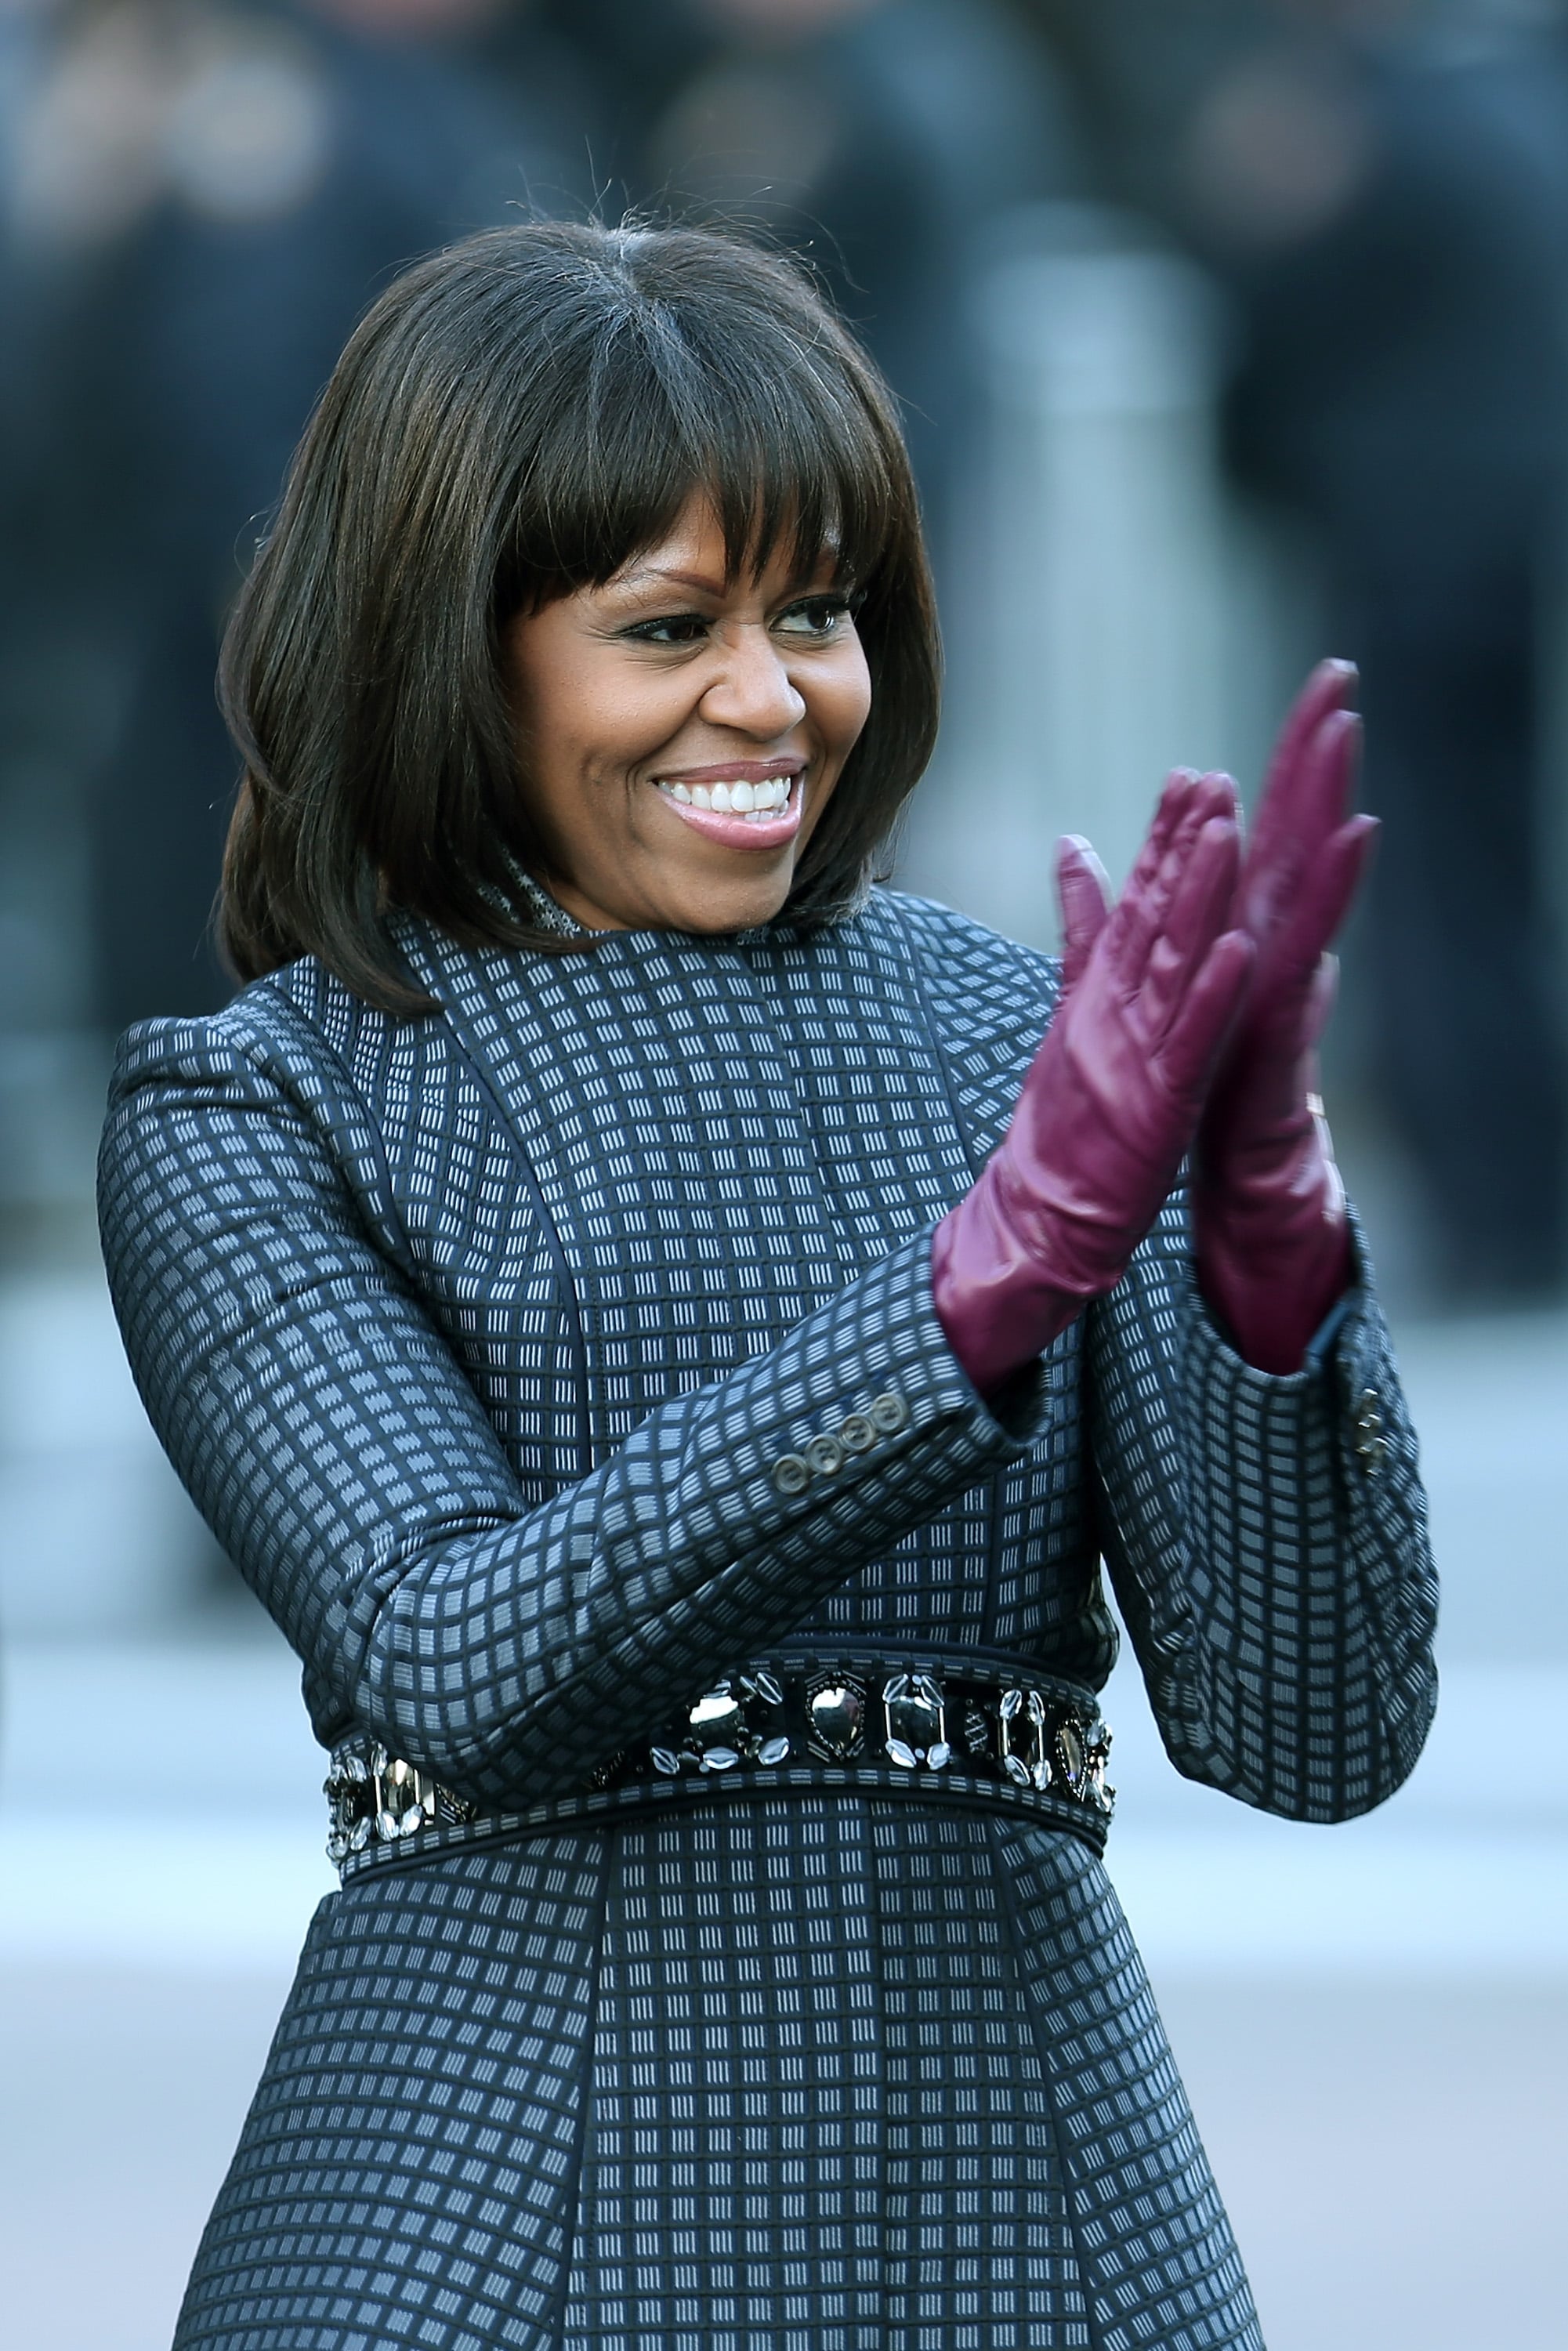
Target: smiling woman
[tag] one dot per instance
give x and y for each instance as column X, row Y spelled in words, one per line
column 670, row 1330
column 650, row 465
column 684, row 730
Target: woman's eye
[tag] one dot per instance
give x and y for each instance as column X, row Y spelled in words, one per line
column 670, row 629
column 817, row 616
column 814, row 617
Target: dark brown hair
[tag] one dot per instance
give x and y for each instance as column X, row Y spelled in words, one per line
column 516, row 418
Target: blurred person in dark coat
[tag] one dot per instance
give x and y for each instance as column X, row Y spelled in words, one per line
column 1406, row 384
column 208, row 198
column 1385, row 189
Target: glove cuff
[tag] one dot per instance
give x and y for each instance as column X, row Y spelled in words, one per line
column 998, row 1305
column 1273, row 1253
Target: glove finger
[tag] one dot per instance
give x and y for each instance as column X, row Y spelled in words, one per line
column 1294, row 984
column 1331, row 686
column 1174, row 800
column 1083, row 893
column 1330, row 690
column 1204, row 1019
column 1198, row 912
column 1300, row 821
column 1322, row 901
column 1150, row 895
column 1325, row 777
column 1348, row 859
column 1128, row 913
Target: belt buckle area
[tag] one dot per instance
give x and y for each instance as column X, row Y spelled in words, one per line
column 350, row 1791
column 1055, row 1747
column 1021, row 1714
column 378, row 1796
column 404, row 1797
column 740, row 1720
column 1085, row 1748
column 914, row 1710
column 836, row 1716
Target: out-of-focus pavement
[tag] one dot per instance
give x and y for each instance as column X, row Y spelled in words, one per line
column 1372, row 2020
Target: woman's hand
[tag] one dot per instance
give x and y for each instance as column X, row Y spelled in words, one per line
column 1270, row 1235
column 1112, row 1100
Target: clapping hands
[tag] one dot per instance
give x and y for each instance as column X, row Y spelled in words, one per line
column 1188, row 1016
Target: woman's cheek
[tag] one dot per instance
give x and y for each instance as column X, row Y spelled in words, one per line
column 645, row 712
column 857, row 686
column 850, row 704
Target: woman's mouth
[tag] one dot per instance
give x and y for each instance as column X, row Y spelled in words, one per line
column 741, row 811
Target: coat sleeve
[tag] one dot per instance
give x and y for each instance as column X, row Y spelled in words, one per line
column 1267, row 1541
column 503, row 1640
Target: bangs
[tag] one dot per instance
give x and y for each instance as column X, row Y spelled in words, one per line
column 771, row 430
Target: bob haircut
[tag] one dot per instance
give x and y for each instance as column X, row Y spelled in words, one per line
column 513, row 419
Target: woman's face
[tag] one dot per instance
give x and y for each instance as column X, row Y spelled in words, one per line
column 681, row 737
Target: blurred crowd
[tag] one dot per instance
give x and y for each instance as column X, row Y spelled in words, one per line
column 198, row 197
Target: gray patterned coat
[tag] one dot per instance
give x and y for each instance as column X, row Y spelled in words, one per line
column 478, row 1338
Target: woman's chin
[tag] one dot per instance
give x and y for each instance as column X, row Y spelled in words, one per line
column 695, row 894
column 713, row 910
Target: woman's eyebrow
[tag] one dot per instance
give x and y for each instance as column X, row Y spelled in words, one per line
column 655, row 576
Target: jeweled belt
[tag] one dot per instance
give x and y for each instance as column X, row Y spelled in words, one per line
column 974, row 1736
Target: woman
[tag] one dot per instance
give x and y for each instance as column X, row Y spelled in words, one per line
column 670, row 1345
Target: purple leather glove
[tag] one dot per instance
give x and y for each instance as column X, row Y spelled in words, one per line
column 1112, row 1099
column 1271, row 1235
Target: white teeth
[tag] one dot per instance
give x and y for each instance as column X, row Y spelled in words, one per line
column 753, row 802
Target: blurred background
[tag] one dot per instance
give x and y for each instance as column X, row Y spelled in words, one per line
column 1228, row 332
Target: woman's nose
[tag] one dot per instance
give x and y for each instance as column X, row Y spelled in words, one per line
column 753, row 690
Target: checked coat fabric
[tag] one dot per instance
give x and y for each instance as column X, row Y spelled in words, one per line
column 477, row 1337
